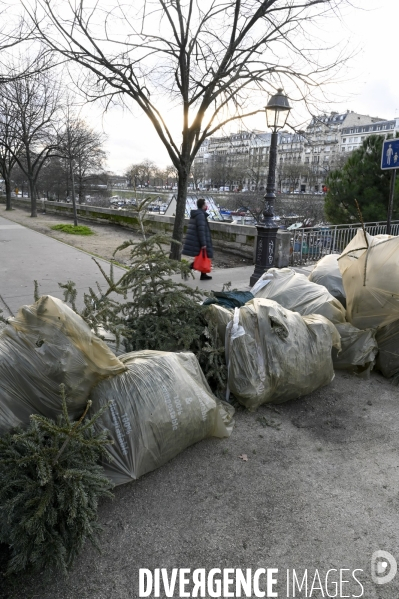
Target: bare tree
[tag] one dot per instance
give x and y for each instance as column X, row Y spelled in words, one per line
column 81, row 149
column 307, row 208
column 256, row 170
column 209, row 59
column 170, row 174
column 68, row 143
column 218, row 171
column 290, row 174
column 251, row 201
column 36, row 101
column 10, row 144
column 88, row 153
column 53, row 181
column 198, row 173
column 141, row 173
column 14, row 31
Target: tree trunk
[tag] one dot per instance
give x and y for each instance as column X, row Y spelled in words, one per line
column 175, row 248
column 75, row 214
column 8, row 193
column 33, row 205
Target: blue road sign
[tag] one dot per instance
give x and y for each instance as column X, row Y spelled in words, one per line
column 390, row 154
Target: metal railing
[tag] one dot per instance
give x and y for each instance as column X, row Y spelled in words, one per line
column 309, row 244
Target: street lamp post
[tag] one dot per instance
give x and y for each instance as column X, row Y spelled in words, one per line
column 277, row 110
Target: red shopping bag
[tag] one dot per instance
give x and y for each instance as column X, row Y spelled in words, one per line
column 202, row 262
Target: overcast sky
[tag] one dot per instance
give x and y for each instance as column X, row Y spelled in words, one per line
column 370, row 86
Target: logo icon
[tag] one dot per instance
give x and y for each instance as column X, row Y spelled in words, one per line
column 383, row 567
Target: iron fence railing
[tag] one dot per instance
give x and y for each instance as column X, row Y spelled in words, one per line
column 312, row 243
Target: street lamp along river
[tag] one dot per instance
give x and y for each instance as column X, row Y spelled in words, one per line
column 277, row 111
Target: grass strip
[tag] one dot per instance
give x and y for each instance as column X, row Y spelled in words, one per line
column 78, row 230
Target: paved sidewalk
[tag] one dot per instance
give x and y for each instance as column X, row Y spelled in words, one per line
column 27, row 255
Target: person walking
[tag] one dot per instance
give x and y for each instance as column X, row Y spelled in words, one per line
column 198, row 234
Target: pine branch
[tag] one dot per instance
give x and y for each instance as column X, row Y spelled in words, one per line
column 50, row 486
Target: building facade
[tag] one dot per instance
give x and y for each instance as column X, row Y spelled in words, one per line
column 304, row 159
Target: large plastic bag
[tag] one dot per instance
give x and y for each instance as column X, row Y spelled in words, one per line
column 358, row 349
column 220, row 317
column 275, row 355
column 295, row 292
column 388, row 346
column 327, row 273
column 160, row 406
column 45, row 345
column 370, row 273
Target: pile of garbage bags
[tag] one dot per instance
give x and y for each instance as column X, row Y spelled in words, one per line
column 294, row 292
column 160, row 402
column 282, row 340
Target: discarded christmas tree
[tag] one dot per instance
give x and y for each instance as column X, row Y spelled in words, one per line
column 155, row 312
column 50, row 485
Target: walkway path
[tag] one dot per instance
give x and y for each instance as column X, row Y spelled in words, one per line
column 27, row 255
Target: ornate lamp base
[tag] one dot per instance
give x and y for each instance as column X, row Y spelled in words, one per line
column 265, row 250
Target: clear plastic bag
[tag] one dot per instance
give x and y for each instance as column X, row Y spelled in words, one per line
column 327, row 273
column 275, row 355
column 388, row 350
column 45, row 345
column 220, row 317
column 160, row 406
column 295, row 292
column 358, row 349
column 370, row 273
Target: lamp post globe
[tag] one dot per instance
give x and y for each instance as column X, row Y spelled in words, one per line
column 277, row 111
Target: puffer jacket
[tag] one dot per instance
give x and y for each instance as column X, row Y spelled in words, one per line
column 198, row 234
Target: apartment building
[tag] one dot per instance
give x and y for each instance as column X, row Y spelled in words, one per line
column 304, row 160
column 353, row 135
column 228, row 161
column 328, row 137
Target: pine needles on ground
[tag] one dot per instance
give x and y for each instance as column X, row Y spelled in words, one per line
column 50, row 485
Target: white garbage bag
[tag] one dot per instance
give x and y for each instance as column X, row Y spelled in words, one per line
column 160, row 406
column 45, row 345
column 295, row 292
column 275, row 355
column 358, row 349
column 327, row 273
column 370, row 274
